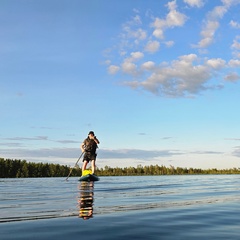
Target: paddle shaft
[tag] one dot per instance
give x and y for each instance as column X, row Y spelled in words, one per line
column 75, row 165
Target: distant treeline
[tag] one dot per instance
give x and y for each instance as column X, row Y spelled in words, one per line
column 162, row 170
column 21, row 168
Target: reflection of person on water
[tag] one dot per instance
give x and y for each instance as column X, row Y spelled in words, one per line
column 86, row 200
column 89, row 146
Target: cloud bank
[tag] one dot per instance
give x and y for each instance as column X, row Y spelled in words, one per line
column 143, row 66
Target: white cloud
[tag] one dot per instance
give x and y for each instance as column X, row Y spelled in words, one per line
column 73, row 153
column 173, row 19
column 194, row 3
column 188, row 58
column 128, row 32
column 208, row 34
column 139, row 34
column 230, row 2
column 232, row 77
column 187, row 75
column 148, row 65
column 42, row 152
column 216, row 63
column 234, row 63
column 122, row 53
column 212, row 24
column 152, row 46
column 158, row 33
column 136, row 153
column 37, row 138
column 136, row 56
column 169, row 43
column 129, row 68
column 236, row 152
column 235, row 45
column 219, row 11
column 136, row 10
column 113, row 69
column 19, row 140
column 107, row 62
column 179, row 78
column 132, row 29
column 234, row 24
column 137, row 20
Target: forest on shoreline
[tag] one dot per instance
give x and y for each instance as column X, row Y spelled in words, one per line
column 10, row 168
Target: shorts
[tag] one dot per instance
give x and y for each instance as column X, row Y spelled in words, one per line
column 88, row 156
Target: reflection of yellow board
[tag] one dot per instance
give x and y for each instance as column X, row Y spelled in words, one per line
column 86, row 172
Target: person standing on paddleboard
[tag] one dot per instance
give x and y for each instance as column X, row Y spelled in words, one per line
column 89, row 147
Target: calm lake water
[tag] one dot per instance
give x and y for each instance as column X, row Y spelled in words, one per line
column 148, row 207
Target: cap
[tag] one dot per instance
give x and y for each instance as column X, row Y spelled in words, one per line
column 91, row 132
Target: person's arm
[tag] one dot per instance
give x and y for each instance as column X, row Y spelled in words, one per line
column 96, row 140
column 82, row 146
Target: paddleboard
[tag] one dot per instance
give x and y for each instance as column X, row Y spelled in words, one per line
column 89, row 178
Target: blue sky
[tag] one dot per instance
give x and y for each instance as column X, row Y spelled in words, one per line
column 158, row 81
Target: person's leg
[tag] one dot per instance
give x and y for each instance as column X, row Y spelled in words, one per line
column 84, row 166
column 93, row 166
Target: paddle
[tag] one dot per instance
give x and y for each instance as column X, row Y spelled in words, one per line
column 75, row 166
